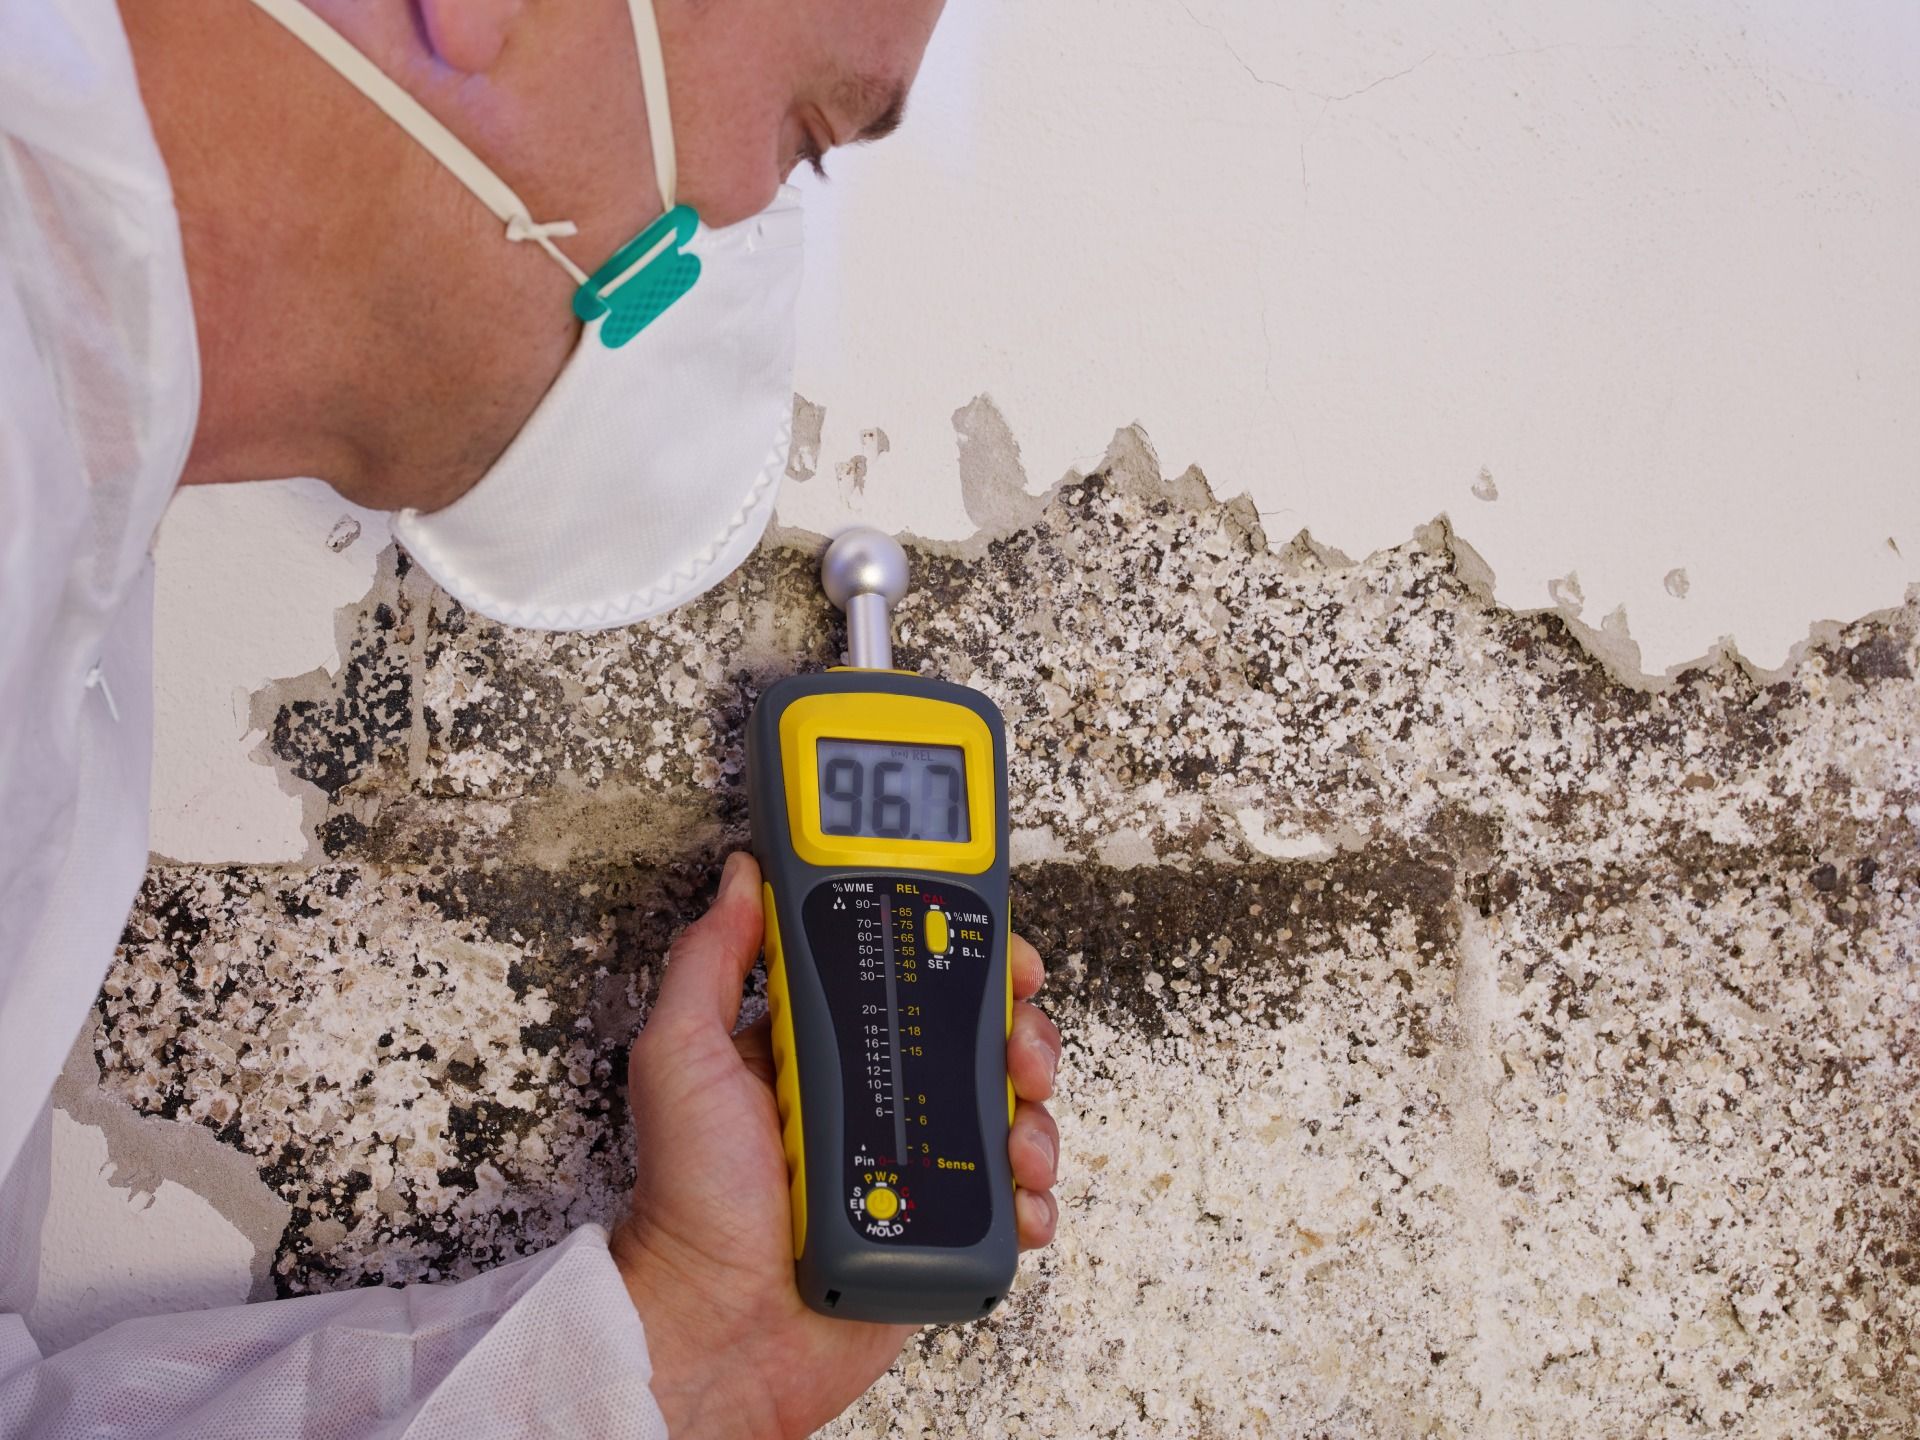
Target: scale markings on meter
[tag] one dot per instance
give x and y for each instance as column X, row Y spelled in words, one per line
column 879, row 813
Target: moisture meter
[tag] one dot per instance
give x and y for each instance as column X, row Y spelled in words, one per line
column 879, row 812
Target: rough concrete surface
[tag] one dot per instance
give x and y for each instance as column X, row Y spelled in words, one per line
column 1462, row 1039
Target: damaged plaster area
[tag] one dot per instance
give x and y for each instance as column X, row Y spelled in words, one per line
column 1460, row 1039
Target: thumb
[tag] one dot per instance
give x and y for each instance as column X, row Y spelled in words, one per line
column 707, row 966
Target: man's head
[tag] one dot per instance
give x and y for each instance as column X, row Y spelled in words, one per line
column 758, row 86
column 361, row 315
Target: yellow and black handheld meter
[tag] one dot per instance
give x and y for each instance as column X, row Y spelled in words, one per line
column 879, row 811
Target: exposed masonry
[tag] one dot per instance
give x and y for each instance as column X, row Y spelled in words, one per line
column 1461, row 1040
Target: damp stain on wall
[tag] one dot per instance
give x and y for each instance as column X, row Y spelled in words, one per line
column 1459, row 1037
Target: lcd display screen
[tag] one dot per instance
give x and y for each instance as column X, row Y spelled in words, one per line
column 888, row 791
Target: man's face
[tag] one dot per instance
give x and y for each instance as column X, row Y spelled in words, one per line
column 763, row 86
column 550, row 96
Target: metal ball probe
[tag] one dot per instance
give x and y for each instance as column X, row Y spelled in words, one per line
column 864, row 573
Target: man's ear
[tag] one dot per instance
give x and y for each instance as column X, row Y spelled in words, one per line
column 468, row 35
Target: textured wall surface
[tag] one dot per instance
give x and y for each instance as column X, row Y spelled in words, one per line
column 1460, row 1039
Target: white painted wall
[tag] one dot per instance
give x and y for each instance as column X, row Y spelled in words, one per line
column 109, row 1252
column 249, row 579
column 1651, row 265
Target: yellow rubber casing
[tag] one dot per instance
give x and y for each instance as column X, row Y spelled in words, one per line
column 899, row 719
column 1009, row 1012
column 786, row 1075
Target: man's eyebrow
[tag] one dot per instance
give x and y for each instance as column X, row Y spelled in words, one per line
column 885, row 101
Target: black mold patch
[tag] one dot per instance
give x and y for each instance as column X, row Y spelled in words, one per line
column 1268, row 930
column 1571, row 941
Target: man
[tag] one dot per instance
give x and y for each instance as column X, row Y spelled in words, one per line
column 571, row 384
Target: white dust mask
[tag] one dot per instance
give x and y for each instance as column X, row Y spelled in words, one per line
column 649, row 470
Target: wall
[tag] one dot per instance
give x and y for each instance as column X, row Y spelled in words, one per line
column 1459, row 1039
column 1464, row 1033
column 1624, row 290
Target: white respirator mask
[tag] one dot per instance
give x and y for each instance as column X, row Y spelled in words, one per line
column 648, row 471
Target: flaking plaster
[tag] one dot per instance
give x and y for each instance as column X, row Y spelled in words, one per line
column 1460, row 1038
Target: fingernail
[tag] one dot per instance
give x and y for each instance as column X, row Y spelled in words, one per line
column 1047, row 1053
column 1039, row 1210
column 733, row 871
column 1050, row 1150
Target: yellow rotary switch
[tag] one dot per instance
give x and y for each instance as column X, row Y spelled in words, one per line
column 882, row 1203
column 936, row 932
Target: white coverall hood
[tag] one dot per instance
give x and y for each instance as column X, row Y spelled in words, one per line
column 98, row 400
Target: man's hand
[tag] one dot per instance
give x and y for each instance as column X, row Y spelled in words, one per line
column 707, row 1253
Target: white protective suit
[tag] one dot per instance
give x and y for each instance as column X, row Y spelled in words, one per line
column 99, row 391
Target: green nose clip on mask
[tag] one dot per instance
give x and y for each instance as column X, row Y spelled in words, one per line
column 643, row 277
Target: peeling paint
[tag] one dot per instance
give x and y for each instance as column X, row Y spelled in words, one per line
column 1566, row 594
column 158, row 1251
column 803, row 455
column 1463, row 1035
column 146, row 1150
column 852, row 473
column 993, row 483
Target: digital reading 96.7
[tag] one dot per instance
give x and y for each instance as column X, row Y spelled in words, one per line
column 890, row 791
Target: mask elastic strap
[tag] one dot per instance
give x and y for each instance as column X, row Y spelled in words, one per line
column 653, row 85
column 446, row 147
